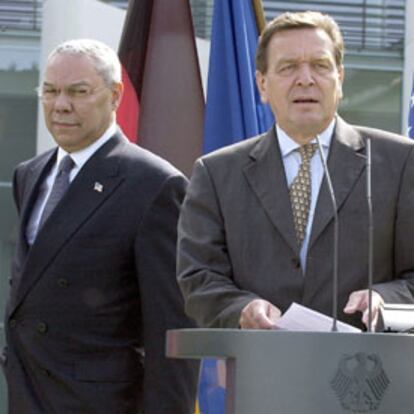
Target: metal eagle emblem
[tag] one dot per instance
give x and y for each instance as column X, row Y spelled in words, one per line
column 360, row 382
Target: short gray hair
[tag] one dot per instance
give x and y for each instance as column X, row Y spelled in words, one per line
column 107, row 63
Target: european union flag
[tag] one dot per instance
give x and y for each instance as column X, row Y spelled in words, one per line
column 233, row 109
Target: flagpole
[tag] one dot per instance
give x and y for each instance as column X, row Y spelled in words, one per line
column 259, row 13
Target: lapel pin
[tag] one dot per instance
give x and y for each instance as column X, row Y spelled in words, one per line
column 98, row 187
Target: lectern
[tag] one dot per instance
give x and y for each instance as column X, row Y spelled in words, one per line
column 281, row 372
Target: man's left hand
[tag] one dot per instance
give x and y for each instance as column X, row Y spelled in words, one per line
column 358, row 301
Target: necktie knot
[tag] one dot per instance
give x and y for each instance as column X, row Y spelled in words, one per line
column 66, row 165
column 306, row 152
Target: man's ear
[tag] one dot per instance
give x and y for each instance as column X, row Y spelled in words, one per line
column 117, row 93
column 341, row 74
column 261, row 82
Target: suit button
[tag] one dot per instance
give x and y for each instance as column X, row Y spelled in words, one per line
column 41, row 327
column 63, row 283
column 13, row 323
column 296, row 263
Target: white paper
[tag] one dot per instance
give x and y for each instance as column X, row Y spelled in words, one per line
column 301, row 318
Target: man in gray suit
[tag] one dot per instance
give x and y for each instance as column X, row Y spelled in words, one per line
column 256, row 227
column 93, row 281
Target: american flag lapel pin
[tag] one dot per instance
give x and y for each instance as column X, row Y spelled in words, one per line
column 98, row 187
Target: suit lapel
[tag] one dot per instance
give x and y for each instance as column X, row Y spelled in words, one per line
column 97, row 180
column 34, row 178
column 346, row 163
column 266, row 176
column 28, row 188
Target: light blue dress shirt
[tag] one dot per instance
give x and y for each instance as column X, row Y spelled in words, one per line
column 292, row 160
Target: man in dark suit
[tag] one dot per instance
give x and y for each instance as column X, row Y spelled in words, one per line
column 256, row 227
column 93, row 286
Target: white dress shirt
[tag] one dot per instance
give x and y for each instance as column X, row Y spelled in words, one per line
column 80, row 158
column 292, row 160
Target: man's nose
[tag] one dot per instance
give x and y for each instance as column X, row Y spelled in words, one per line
column 62, row 102
column 305, row 75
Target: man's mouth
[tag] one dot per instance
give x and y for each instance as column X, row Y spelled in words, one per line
column 305, row 101
column 64, row 124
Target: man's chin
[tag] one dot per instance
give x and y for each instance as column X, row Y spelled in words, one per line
column 312, row 124
column 66, row 141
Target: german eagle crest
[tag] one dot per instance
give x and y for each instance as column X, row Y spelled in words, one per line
column 360, row 382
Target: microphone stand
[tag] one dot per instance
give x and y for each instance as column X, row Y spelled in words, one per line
column 370, row 236
column 335, row 237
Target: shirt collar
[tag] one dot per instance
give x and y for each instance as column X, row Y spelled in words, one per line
column 288, row 145
column 80, row 157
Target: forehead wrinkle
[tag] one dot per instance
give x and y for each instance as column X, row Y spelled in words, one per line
column 70, row 70
column 322, row 44
column 304, row 55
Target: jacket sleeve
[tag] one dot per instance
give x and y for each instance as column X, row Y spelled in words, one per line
column 169, row 385
column 205, row 273
column 401, row 288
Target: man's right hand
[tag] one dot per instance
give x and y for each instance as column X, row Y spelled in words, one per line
column 259, row 314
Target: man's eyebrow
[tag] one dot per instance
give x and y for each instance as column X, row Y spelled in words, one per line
column 75, row 84
column 322, row 56
column 287, row 61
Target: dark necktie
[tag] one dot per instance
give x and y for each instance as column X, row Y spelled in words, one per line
column 60, row 186
column 300, row 192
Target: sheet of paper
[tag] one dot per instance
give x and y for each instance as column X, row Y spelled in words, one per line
column 301, row 318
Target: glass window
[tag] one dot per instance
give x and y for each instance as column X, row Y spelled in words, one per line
column 372, row 98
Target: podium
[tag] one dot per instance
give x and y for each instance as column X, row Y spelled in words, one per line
column 282, row 372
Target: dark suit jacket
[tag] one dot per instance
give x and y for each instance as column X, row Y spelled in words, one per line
column 97, row 289
column 237, row 239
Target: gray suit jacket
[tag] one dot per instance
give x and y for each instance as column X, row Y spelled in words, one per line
column 237, row 240
column 97, row 289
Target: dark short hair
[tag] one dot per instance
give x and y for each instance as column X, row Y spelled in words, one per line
column 301, row 20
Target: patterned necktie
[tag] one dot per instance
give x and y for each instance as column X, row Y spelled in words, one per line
column 300, row 192
column 60, row 186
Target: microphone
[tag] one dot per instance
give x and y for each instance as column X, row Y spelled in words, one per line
column 370, row 235
column 335, row 237
column 396, row 318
